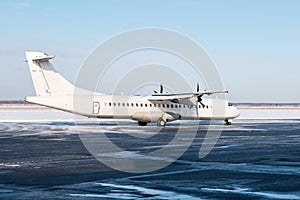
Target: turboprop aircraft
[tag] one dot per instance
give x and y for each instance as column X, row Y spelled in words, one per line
column 54, row 91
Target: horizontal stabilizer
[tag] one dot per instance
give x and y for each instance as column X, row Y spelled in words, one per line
column 43, row 58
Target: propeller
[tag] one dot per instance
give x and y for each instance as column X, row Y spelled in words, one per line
column 161, row 89
column 199, row 99
column 199, row 96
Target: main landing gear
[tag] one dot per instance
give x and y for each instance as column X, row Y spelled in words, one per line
column 228, row 122
column 160, row 122
column 142, row 123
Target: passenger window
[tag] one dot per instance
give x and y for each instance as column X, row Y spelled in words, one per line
column 109, row 104
column 145, row 105
column 127, row 104
column 132, row 104
column 137, row 105
column 168, row 105
column 141, row 105
column 150, row 105
column 115, row 104
column 119, row 104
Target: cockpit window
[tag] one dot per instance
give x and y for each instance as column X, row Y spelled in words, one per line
column 229, row 104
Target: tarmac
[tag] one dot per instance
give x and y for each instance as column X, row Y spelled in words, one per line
column 253, row 159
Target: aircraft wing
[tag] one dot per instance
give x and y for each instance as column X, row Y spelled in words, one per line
column 181, row 98
column 162, row 98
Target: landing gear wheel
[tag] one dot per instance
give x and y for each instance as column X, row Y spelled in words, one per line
column 161, row 122
column 227, row 122
column 142, row 123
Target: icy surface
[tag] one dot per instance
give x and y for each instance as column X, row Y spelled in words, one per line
column 42, row 157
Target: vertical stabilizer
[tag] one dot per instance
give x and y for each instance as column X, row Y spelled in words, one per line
column 47, row 82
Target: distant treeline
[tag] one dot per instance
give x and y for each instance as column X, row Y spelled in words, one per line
column 266, row 104
column 14, row 102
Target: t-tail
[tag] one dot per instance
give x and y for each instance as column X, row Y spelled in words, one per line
column 52, row 90
column 47, row 82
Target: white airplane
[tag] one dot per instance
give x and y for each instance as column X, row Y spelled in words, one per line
column 54, row 91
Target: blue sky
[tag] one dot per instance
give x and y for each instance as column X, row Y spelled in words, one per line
column 254, row 44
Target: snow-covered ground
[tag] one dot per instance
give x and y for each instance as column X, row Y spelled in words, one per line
column 269, row 114
column 260, row 148
column 34, row 115
column 21, row 113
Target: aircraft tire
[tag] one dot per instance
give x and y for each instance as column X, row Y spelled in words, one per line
column 227, row 122
column 161, row 122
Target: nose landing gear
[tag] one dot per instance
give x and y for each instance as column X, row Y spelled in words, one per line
column 161, row 122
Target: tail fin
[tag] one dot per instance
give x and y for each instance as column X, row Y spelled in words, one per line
column 47, row 82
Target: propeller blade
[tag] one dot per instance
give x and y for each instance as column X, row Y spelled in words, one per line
column 161, row 88
column 200, row 100
column 202, row 104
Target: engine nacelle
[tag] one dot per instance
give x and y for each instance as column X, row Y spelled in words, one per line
column 154, row 116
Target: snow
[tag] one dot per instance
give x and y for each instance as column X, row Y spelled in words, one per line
column 269, row 114
column 40, row 114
